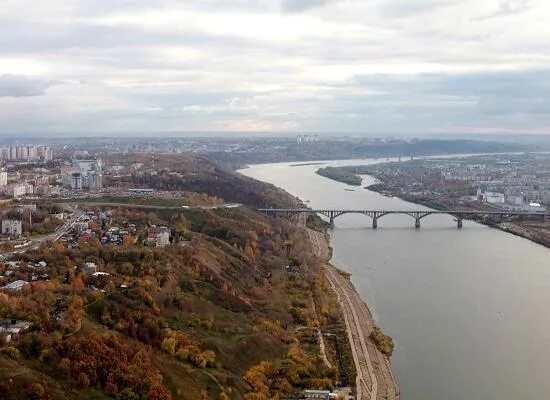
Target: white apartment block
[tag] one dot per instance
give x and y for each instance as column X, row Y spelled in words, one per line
column 26, row 153
column 3, row 178
column 83, row 174
column 12, row 227
column 19, row 189
column 159, row 236
column 163, row 238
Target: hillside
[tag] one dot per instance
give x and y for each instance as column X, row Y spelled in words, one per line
column 199, row 175
column 215, row 315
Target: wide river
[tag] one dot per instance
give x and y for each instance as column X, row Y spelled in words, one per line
column 469, row 309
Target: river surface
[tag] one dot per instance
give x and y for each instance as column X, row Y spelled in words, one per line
column 469, row 309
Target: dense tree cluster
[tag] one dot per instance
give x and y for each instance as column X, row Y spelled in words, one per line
column 296, row 370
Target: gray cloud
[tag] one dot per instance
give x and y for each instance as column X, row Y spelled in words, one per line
column 402, row 8
column 517, row 6
column 514, row 100
column 512, row 7
column 20, row 86
column 360, row 66
column 302, row 5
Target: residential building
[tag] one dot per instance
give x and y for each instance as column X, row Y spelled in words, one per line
column 83, row 174
column 163, row 238
column 15, row 286
column 76, row 180
column 11, row 326
column 26, row 153
column 41, row 180
column 45, row 152
column 158, row 236
column 48, row 190
column 3, row 178
column 19, row 189
column 81, row 226
column 90, row 268
column 12, row 227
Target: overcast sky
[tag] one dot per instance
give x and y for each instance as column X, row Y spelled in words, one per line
column 408, row 67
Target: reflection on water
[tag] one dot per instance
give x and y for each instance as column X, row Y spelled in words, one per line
column 468, row 309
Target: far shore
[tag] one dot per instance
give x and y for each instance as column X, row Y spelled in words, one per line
column 507, row 227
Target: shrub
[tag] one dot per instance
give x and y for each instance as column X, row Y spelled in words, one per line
column 127, row 394
column 383, row 342
column 12, row 353
column 35, row 391
column 169, row 345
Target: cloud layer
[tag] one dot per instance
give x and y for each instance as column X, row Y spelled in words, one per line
column 378, row 67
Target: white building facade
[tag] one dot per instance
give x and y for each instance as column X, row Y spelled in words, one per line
column 12, row 227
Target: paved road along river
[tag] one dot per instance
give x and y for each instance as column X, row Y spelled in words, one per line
column 469, row 310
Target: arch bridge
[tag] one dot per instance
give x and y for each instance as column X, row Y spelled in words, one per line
column 459, row 215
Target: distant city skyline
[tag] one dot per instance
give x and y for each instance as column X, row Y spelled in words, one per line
column 264, row 67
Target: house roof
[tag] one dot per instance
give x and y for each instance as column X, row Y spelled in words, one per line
column 13, row 326
column 15, row 285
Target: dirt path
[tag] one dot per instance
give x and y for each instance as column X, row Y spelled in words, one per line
column 322, row 348
column 375, row 380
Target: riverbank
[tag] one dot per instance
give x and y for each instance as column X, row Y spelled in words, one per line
column 535, row 231
column 456, row 302
column 374, row 379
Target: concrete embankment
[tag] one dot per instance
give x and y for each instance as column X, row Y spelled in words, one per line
column 375, row 379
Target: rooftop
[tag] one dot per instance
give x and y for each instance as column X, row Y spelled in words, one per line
column 16, row 285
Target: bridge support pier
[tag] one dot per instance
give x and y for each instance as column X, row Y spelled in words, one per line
column 331, row 222
column 374, row 223
column 417, row 223
column 459, row 223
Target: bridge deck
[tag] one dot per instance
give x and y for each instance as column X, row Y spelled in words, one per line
column 332, row 214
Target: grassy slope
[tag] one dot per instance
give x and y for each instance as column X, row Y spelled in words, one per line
column 217, row 253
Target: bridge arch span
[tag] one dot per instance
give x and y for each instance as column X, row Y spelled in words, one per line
column 459, row 215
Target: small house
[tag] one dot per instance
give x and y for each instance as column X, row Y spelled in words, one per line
column 15, row 286
column 90, row 268
column 10, row 327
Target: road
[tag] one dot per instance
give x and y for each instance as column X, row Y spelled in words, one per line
column 374, row 380
column 55, row 235
column 149, row 206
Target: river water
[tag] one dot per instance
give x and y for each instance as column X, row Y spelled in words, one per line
column 469, row 309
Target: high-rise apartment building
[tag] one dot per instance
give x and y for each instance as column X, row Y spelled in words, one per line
column 26, row 153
